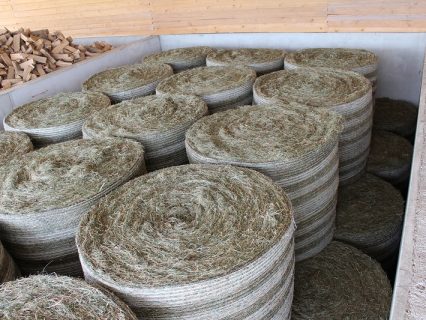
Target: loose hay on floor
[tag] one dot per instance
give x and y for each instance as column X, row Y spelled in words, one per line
column 55, row 119
column 295, row 145
column 261, row 60
column 220, row 87
column 44, row 194
column 344, row 92
column 390, row 157
column 53, row 297
column 181, row 59
column 129, row 81
column 194, row 242
column 369, row 216
column 158, row 122
column 341, row 283
column 8, row 269
column 13, row 145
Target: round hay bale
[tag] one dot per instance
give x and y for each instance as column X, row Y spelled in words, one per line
column 13, row 145
column 44, row 194
column 8, row 270
column 341, row 283
column 158, row 122
column 181, row 59
column 361, row 61
column 55, row 119
column 369, row 216
column 345, row 92
column 396, row 116
column 295, row 145
column 390, row 157
column 129, row 81
column 220, row 87
column 261, row 60
column 194, row 242
column 54, row 297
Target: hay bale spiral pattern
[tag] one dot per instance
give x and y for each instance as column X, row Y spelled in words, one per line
column 13, row 145
column 8, row 269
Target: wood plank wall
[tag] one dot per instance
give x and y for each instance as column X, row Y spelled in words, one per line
column 135, row 17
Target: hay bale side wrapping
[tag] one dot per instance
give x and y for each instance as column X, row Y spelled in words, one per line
column 261, row 60
column 8, row 269
column 193, row 242
column 55, row 119
column 158, row 122
column 44, row 194
column 127, row 82
column 341, row 283
column 13, row 145
column 294, row 145
column 53, row 297
column 220, row 87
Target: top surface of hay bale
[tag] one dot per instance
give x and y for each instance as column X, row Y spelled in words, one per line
column 317, row 87
column 13, row 145
column 52, row 297
column 125, row 78
column 246, row 56
column 339, row 58
column 146, row 116
column 204, row 81
column 183, row 224
column 265, row 133
column 179, row 55
column 61, row 109
column 341, row 282
column 64, row 174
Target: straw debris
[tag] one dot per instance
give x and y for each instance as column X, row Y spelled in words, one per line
column 13, row 145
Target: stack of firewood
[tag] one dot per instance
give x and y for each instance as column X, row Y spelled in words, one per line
column 26, row 54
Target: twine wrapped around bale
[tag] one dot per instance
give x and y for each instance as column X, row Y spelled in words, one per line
column 261, row 60
column 13, row 145
column 357, row 60
column 181, row 59
column 44, row 194
column 390, row 157
column 369, row 216
column 55, row 119
column 8, row 270
column 396, row 116
column 58, row 297
column 347, row 93
column 194, row 242
column 158, row 122
column 341, row 283
column 129, row 81
column 294, row 145
column 221, row 88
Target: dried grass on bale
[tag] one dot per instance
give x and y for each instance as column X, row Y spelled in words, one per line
column 13, row 145
column 44, row 194
column 194, row 242
column 369, row 216
column 129, row 81
column 220, row 87
column 181, row 59
column 53, row 297
column 294, row 145
column 8, row 270
column 344, row 92
column 57, row 118
column 396, row 116
column 158, row 122
column 341, row 283
column 390, row 157
column 261, row 60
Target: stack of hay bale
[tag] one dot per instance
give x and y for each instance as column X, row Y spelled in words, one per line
column 181, row 59
column 8, row 270
column 55, row 119
column 53, row 297
column 221, row 88
column 44, row 194
column 344, row 92
column 295, row 145
column 129, row 81
column 194, row 242
column 261, row 60
column 158, row 122
column 13, row 145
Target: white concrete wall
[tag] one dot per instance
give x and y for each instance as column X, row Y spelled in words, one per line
column 401, row 54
